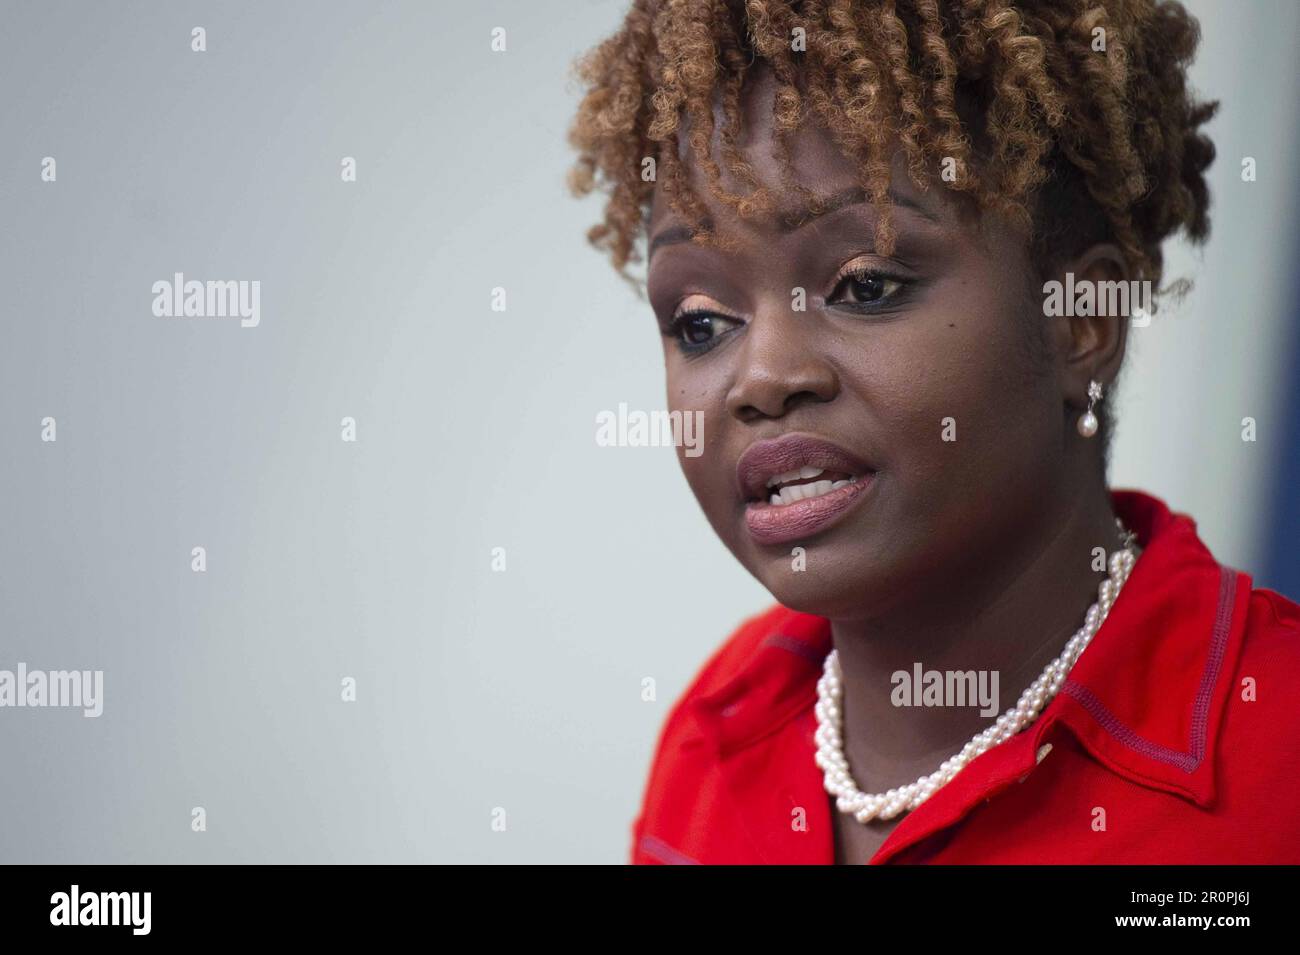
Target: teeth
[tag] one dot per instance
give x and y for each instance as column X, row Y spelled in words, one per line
column 798, row 492
column 799, row 475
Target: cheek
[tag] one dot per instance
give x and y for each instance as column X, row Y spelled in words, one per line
column 959, row 393
column 699, row 393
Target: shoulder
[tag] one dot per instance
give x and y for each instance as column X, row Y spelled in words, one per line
column 730, row 657
column 721, row 666
column 681, row 751
column 1260, row 748
column 1267, row 669
column 1272, row 638
column 1271, row 611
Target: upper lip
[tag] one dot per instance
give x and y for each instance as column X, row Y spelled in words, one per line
column 768, row 458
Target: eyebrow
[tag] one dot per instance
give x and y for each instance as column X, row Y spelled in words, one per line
column 794, row 220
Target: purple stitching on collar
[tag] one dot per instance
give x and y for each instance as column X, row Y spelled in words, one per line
column 654, row 846
column 794, row 645
column 1201, row 708
column 1219, row 643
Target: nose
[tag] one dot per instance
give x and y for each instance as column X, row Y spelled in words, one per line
column 782, row 367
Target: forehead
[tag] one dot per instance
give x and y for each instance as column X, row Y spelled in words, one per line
column 816, row 160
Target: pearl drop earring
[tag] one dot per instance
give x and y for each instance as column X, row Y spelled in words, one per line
column 1088, row 420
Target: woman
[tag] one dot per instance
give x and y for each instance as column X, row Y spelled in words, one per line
column 887, row 245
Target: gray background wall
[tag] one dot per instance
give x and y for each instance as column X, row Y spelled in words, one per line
column 372, row 559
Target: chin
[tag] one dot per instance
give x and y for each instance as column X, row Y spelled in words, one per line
column 841, row 588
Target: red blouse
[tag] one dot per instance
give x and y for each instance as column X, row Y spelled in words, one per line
column 1180, row 722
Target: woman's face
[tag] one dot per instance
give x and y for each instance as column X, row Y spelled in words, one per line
column 912, row 376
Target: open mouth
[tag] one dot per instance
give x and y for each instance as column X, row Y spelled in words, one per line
column 798, row 485
column 804, row 483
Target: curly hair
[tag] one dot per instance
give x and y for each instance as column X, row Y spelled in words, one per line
column 1072, row 118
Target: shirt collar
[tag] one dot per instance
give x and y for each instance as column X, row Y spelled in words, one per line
column 1146, row 698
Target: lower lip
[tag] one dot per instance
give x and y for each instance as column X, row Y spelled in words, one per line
column 783, row 523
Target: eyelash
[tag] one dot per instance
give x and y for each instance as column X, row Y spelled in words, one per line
column 679, row 322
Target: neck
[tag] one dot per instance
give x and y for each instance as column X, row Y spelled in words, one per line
column 1009, row 616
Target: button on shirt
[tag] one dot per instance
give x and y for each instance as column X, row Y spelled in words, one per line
column 1175, row 739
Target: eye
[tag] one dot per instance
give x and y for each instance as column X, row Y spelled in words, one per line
column 699, row 330
column 867, row 286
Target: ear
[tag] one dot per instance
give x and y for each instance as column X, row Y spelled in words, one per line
column 1092, row 335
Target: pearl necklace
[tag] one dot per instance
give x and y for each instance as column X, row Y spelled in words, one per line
column 830, row 748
